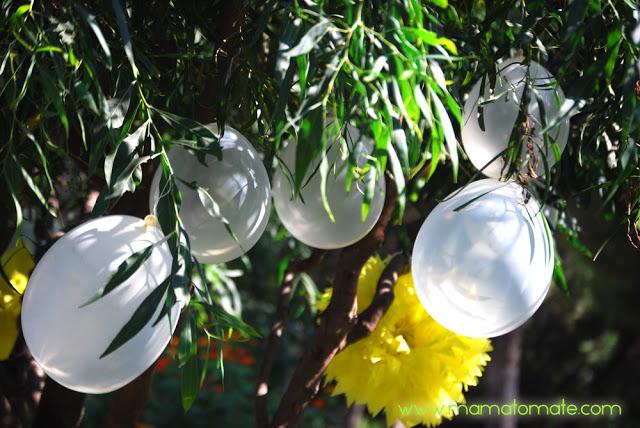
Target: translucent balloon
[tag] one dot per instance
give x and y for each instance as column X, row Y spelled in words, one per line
column 306, row 218
column 66, row 339
column 483, row 259
column 500, row 111
column 238, row 184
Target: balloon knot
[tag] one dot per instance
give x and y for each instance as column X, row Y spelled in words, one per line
column 150, row 221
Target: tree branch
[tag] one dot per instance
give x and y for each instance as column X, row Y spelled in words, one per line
column 336, row 321
column 277, row 328
column 369, row 318
column 128, row 402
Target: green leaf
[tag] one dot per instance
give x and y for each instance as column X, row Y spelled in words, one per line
column 449, row 134
column 14, row 190
column 25, row 83
column 378, row 65
column 430, row 38
column 613, row 45
column 223, row 318
column 140, row 317
column 283, row 60
column 310, row 290
column 90, row 19
column 120, row 169
column 396, row 168
column 440, row 3
column 369, row 190
column 310, row 39
column 559, row 277
column 570, row 107
column 479, row 10
column 82, row 93
column 189, row 383
column 311, row 142
column 127, row 268
column 124, row 33
column 423, row 104
column 398, row 176
column 188, row 342
column 53, row 94
column 168, row 206
column 324, row 174
column 475, row 198
column 20, row 11
column 36, row 191
column 213, row 209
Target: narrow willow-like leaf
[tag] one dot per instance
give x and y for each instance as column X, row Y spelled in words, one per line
column 559, row 277
column 32, row 186
column 369, row 189
column 127, row 268
column 213, row 209
column 90, row 19
column 189, row 383
column 449, row 134
column 53, row 94
column 324, row 176
column 310, row 39
column 224, row 318
column 311, row 142
column 124, row 33
column 139, row 319
column 188, row 347
column 472, row 200
column 423, row 104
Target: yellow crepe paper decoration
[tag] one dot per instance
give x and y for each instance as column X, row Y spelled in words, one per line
column 408, row 360
column 17, row 264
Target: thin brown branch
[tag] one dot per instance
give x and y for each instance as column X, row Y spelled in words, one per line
column 335, row 323
column 369, row 318
column 275, row 335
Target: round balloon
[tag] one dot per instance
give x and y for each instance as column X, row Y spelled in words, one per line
column 305, row 216
column 499, row 109
column 483, row 259
column 67, row 338
column 239, row 186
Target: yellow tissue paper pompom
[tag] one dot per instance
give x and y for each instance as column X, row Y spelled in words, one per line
column 16, row 264
column 410, row 366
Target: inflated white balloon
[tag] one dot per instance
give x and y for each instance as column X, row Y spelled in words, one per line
column 483, row 270
column 66, row 339
column 500, row 116
column 306, row 218
column 238, row 183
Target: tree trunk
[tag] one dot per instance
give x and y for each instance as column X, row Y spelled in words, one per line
column 503, row 376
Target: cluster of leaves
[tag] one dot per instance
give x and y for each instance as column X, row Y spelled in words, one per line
column 592, row 48
column 61, row 58
column 95, row 87
column 375, row 65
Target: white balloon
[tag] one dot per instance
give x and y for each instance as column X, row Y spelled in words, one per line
column 306, row 219
column 483, row 270
column 67, row 340
column 500, row 116
column 238, row 183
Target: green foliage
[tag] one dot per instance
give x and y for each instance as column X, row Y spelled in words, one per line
column 96, row 89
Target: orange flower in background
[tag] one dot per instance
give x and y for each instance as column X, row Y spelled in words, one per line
column 162, row 363
column 232, row 354
column 319, row 403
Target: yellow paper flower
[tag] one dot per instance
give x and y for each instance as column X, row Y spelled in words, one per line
column 410, row 366
column 16, row 264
